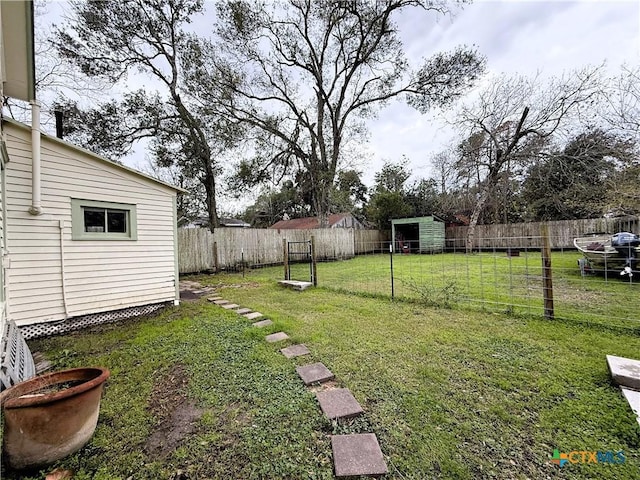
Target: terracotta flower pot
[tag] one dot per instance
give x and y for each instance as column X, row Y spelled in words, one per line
column 51, row 416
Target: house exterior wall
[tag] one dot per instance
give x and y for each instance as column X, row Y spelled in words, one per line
column 49, row 269
column 3, row 245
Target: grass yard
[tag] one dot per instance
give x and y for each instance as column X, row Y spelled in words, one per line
column 485, row 281
column 449, row 393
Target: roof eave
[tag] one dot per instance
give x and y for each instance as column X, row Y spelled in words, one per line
column 95, row 156
column 18, row 50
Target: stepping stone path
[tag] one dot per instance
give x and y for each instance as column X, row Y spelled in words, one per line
column 358, row 454
column 353, row 455
column 276, row 337
column 314, row 373
column 338, row 403
column 229, row 306
column 295, row 351
column 263, row 323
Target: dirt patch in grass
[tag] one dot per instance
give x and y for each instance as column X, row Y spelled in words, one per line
column 242, row 285
column 177, row 415
column 190, row 296
column 330, row 385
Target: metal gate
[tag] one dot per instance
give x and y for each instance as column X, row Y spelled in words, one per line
column 299, row 256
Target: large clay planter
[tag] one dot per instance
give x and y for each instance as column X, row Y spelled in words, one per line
column 51, row 416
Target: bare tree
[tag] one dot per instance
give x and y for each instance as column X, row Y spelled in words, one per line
column 513, row 119
column 55, row 78
column 621, row 106
column 306, row 72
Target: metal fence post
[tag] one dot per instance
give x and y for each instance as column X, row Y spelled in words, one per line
column 391, row 262
column 215, row 257
column 314, row 265
column 285, row 257
column 546, row 273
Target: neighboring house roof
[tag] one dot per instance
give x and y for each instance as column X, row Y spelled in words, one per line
column 308, row 223
column 233, row 222
column 94, row 156
column 203, row 222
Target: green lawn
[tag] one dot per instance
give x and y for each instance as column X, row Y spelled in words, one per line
column 449, row 393
column 486, row 281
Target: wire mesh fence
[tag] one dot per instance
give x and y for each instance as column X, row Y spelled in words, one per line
column 502, row 279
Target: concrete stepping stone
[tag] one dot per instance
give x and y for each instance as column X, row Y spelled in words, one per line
column 252, row 315
column 276, row 337
column 229, row 306
column 314, row 373
column 221, row 302
column 633, row 397
column 357, row 454
column 242, row 311
column 263, row 323
column 295, row 351
column 295, row 284
column 338, row 403
column 625, row 371
column 213, row 299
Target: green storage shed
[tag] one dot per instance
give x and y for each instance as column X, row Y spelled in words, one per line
column 418, row 235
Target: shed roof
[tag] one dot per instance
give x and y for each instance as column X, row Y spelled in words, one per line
column 307, row 223
column 94, row 156
column 400, row 221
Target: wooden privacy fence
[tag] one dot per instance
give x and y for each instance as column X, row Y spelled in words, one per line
column 200, row 250
column 527, row 235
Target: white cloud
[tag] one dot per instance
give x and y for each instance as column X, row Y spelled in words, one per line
column 523, row 37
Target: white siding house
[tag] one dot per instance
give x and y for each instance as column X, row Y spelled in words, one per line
column 105, row 240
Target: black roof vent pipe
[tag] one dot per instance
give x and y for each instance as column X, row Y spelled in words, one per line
column 58, row 113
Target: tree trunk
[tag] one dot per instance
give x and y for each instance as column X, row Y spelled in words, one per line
column 475, row 216
column 321, row 205
column 210, row 188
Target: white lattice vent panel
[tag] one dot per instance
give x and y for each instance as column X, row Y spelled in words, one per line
column 76, row 323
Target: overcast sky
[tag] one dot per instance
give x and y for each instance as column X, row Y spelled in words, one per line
column 516, row 36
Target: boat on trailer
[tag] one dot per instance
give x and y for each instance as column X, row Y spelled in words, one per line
column 618, row 253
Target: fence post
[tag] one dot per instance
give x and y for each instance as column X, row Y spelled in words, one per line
column 391, row 260
column 314, row 265
column 285, row 256
column 546, row 273
column 215, row 257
